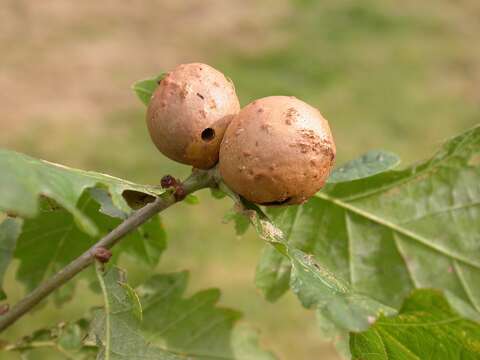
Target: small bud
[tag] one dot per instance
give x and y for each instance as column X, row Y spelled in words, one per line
column 168, row 181
column 179, row 193
column 4, row 308
column 102, row 254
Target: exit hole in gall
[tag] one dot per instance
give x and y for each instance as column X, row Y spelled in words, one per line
column 208, row 134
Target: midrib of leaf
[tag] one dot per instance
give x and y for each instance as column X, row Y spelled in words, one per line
column 99, row 272
column 396, row 228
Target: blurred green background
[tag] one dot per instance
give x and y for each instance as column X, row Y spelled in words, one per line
column 401, row 76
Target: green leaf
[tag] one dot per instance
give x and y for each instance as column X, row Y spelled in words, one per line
column 192, row 200
column 67, row 339
column 24, row 179
column 316, row 286
column 372, row 163
column 173, row 327
column 393, row 232
column 117, row 328
column 9, row 232
column 241, row 222
column 145, row 88
column 217, row 193
column 134, row 300
column 107, row 206
column 57, row 241
column 426, row 328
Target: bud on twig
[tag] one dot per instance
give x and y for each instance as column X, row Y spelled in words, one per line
column 179, row 193
column 4, row 308
column 168, row 181
column 102, row 254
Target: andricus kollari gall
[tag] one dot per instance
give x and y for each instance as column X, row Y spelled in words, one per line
column 277, row 150
column 189, row 112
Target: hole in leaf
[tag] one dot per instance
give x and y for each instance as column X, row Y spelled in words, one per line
column 137, row 199
column 208, row 134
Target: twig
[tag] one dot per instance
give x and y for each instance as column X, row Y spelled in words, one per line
column 198, row 180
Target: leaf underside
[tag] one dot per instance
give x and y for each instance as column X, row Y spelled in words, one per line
column 23, row 180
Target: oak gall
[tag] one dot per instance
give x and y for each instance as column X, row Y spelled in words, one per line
column 189, row 112
column 277, row 150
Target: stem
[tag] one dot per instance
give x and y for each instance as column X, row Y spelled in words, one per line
column 199, row 179
column 99, row 272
